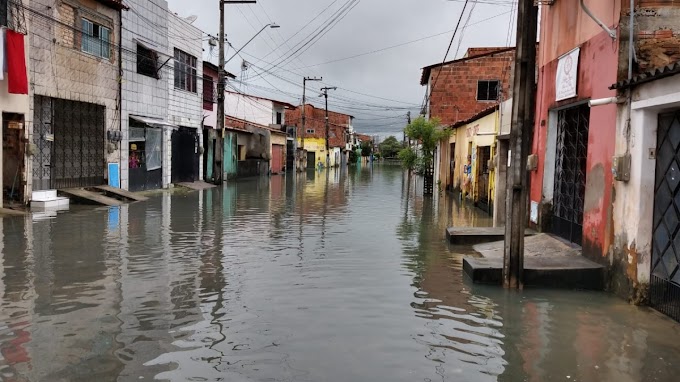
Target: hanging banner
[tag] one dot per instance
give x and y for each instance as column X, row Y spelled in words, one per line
column 567, row 75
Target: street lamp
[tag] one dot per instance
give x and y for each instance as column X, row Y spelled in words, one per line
column 271, row 25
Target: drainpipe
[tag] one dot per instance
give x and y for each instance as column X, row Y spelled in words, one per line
column 611, row 32
column 631, row 56
column 120, row 100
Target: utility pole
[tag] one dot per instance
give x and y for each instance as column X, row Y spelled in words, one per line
column 328, row 145
column 218, row 157
column 522, row 120
column 408, row 120
column 304, row 106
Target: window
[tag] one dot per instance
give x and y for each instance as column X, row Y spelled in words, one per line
column 4, row 11
column 487, row 90
column 208, row 93
column 95, row 39
column 185, row 71
column 147, row 62
column 310, row 131
column 279, row 118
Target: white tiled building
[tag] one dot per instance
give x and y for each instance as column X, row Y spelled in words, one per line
column 185, row 106
column 147, row 66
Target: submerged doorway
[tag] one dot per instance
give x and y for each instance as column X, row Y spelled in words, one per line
column 570, row 173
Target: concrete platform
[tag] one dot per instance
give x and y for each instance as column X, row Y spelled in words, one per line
column 90, row 197
column 9, row 212
column 548, row 262
column 477, row 235
column 198, row 186
column 119, row 193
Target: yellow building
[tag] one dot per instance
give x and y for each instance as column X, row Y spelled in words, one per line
column 466, row 158
column 316, row 151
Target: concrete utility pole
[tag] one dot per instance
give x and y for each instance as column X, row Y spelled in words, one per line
column 304, row 101
column 328, row 152
column 522, row 120
column 218, row 157
column 408, row 120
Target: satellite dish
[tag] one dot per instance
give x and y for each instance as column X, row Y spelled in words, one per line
column 191, row 19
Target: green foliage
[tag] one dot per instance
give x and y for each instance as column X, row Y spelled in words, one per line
column 353, row 157
column 427, row 134
column 408, row 157
column 366, row 148
column 389, row 148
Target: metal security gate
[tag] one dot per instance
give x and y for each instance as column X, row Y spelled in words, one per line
column 69, row 136
column 570, row 173
column 665, row 272
column 185, row 156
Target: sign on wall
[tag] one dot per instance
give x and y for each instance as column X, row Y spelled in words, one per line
column 567, row 75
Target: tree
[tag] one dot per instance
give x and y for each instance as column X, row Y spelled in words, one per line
column 427, row 134
column 366, row 148
column 389, row 148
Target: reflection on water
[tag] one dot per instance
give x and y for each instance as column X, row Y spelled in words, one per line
column 323, row 276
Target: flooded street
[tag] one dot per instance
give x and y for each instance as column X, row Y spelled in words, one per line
column 344, row 276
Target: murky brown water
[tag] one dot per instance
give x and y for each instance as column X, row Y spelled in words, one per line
column 345, row 278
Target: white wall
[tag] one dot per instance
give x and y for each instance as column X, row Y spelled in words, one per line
column 251, row 109
column 17, row 103
column 634, row 204
column 143, row 95
column 186, row 108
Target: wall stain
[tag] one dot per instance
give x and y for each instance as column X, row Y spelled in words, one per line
column 594, row 188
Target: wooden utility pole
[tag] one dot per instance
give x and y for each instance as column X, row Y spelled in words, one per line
column 218, row 156
column 328, row 146
column 522, row 120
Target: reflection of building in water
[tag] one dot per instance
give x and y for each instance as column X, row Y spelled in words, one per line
column 59, row 299
column 159, row 284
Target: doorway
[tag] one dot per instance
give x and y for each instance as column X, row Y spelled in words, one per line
column 13, row 151
column 452, row 165
column 185, row 156
column 665, row 272
column 570, row 173
column 482, row 182
column 311, row 159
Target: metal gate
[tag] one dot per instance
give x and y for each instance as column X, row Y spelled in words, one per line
column 665, row 272
column 277, row 159
column 185, row 156
column 69, row 136
column 570, row 173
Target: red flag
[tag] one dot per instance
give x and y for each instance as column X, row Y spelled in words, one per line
column 17, row 77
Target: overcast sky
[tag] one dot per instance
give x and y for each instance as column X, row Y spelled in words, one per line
column 388, row 80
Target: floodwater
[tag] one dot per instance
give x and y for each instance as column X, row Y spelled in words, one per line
column 344, row 276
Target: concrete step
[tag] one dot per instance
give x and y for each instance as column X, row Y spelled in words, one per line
column 478, row 235
column 549, row 262
column 57, row 203
column 44, row 195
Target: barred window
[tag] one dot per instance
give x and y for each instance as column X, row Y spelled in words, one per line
column 185, row 71
column 147, row 62
column 95, row 39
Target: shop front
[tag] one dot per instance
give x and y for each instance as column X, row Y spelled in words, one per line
column 145, row 161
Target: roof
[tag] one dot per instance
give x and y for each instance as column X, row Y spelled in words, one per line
column 481, row 114
column 242, row 125
column 648, row 76
column 216, row 68
column 330, row 111
column 492, row 51
column 286, row 104
column 115, row 4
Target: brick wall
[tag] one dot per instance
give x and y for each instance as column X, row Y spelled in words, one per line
column 59, row 69
column 454, row 97
column 316, row 120
column 146, row 21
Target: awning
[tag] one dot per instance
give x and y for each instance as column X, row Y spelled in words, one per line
column 155, row 122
